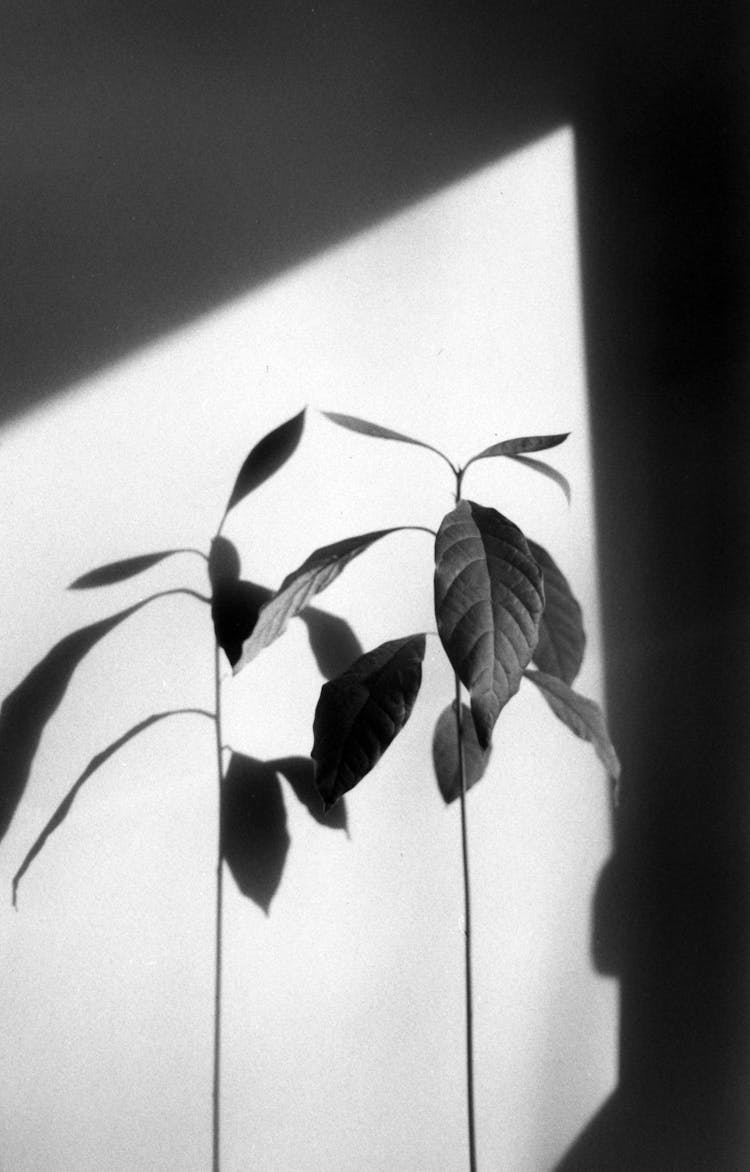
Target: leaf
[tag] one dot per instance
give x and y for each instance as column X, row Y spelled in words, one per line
column 377, row 432
column 562, row 639
column 548, row 471
column 254, row 837
column 582, row 716
column 515, row 447
column 119, row 571
column 95, row 763
column 299, row 772
column 267, row 457
column 488, row 603
column 445, row 753
column 317, row 572
column 362, row 711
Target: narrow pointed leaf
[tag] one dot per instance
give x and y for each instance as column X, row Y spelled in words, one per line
column 562, row 639
column 488, row 603
column 299, row 772
column 362, row 711
column 546, row 470
column 519, row 446
column 267, row 457
column 377, row 432
column 445, row 753
column 121, row 570
column 317, row 572
column 254, row 836
column 582, row 716
column 95, row 763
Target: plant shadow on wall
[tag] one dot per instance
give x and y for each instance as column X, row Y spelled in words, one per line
column 501, row 605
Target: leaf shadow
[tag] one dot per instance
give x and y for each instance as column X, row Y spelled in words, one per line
column 254, row 837
column 26, row 710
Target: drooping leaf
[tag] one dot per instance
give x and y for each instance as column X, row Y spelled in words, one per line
column 332, row 641
column 352, row 423
column 488, row 603
column 254, row 837
column 360, row 713
column 582, row 716
column 95, row 763
column 515, row 447
column 267, row 457
column 300, row 773
column 317, row 572
column 546, row 470
column 121, row 570
column 562, row 639
column 445, row 757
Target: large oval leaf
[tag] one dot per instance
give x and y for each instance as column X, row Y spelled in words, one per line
column 267, row 457
column 581, row 715
column 360, row 712
column 352, row 423
column 488, row 603
column 299, row 772
column 562, row 639
column 254, row 837
column 126, row 568
column 445, row 753
column 317, row 572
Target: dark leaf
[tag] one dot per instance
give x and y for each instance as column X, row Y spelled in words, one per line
column 119, row 571
column 445, row 752
column 267, row 457
column 488, row 603
column 223, row 562
column 26, row 710
column 300, row 773
column 254, row 836
column 332, row 641
column 360, row 713
column 582, row 716
column 515, row 447
column 317, row 572
column 377, row 432
column 546, row 470
column 235, row 607
column 562, row 639
column 95, row 763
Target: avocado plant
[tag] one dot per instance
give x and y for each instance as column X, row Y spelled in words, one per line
column 501, row 605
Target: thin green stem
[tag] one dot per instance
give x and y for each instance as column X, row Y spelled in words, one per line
column 219, row 916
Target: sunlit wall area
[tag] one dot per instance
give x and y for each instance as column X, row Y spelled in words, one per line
column 457, row 322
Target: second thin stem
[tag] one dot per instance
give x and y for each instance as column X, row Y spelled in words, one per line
column 219, row 915
column 467, row 937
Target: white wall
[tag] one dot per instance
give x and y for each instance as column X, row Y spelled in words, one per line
column 458, row 322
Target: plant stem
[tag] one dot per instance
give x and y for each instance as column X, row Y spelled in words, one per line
column 467, row 907
column 467, row 938
column 219, row 912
